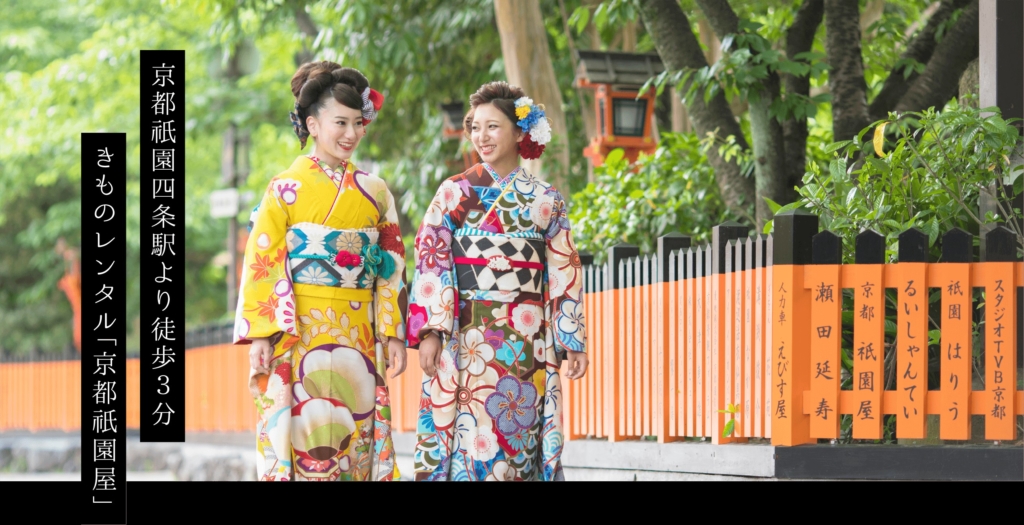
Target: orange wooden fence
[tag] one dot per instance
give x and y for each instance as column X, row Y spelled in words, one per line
column 677, row 337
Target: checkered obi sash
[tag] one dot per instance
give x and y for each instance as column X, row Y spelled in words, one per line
column 325, row 261
column 490, row 266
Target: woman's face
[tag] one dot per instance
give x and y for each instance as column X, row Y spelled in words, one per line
column 494, row 136
column 337, row 131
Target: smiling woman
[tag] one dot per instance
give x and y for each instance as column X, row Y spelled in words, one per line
column 498, row 276
column 323, row 295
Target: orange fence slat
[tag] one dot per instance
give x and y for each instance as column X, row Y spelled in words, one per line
column 912, row 349
column 790, row 370
column 748, row 343
column 769, row 339
column 759, row 344
column 826, row 338
column 131, row 387
column 956, row 364
column 868, row 346
column 1000, row 347
column 727, row 342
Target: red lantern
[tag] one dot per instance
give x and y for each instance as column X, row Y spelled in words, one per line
column 624, row 120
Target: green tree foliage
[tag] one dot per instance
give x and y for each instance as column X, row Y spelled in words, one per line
column 670, row 191
column 934, row 169
column 75, row 67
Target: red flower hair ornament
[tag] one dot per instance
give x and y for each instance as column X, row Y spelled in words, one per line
column 528, row 149
column 373, row 100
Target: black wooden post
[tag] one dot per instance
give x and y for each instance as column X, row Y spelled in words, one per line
column 870, row 248
column 586, row 258
column 1000, row 245
column 618, row 253
column 666, row 245
column 826, row 248
column 792, row 238
column 913, row 246
column 957, row 246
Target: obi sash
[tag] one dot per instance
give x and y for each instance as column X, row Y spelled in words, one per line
column 313, row 256
column 487, row 263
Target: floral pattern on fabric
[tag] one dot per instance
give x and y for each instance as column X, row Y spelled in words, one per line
column 493, row 410
column 324, row 410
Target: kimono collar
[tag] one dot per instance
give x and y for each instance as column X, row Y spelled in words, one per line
column 336, row 174
column 501, row 180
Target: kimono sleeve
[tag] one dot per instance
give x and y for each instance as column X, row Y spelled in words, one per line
column 433, row 294
column 266, row 301
column 565, row 281
column 390, row 294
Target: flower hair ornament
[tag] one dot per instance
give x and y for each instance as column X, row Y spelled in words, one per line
column 373, row 100
column 299, row 126
column 536, row 126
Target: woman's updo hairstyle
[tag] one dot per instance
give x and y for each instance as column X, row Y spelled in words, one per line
column 315, row 82
column 499, row 93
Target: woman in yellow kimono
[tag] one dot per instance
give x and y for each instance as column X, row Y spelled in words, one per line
column 322, row 295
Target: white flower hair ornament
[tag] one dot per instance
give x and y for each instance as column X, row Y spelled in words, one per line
column 373, row 100
column 536, row 126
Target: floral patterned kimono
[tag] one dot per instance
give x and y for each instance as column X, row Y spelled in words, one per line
column 324, row 280
column 497, row 275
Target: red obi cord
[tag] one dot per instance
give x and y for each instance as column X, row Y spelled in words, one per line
column 499, row 263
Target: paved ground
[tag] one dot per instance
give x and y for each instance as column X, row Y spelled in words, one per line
column 52, row 456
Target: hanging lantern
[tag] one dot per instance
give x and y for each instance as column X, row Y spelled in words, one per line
column 453, row 114
column 624, row 119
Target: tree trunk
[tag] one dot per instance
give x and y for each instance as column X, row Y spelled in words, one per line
column 308, row 28
column 678, row 47
column 769, row 151
column 712, row 42
column 799, row 39
column 524, row 46
column 721, row 16
column 766, row 131
column 919, row 49
column 969, row 84
column 941, row 78
column 846, row 78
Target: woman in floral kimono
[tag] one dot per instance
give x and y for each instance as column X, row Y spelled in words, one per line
column 495, row 306
column 322, row 295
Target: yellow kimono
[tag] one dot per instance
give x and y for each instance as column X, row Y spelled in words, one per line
column 324, row 279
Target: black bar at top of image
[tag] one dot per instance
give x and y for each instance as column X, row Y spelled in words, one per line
column 103, row 337
column 162, row 214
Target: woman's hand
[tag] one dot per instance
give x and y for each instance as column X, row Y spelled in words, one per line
column 577, row 365
column 259, row 354
column 430, row 354
column 396, row 352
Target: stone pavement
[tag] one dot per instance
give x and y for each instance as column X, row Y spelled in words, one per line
column 56, row 456
column 231, row 457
